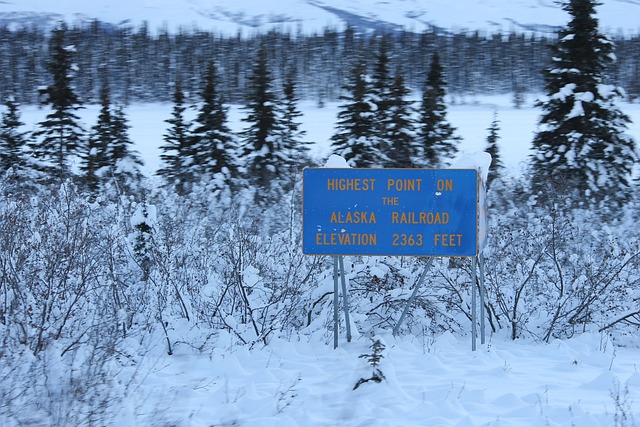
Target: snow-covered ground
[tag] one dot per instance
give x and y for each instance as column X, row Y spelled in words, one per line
column 432, row 381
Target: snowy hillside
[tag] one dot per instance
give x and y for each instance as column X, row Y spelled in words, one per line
column 248, row 16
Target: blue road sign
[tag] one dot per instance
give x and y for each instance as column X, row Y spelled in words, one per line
column 418, row 212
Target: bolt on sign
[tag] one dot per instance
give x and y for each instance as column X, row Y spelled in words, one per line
column 415, row 212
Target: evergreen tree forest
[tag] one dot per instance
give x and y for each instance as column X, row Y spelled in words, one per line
column 141, row 65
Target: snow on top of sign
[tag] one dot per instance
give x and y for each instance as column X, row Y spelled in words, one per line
column 479, row 161
column 336, row 161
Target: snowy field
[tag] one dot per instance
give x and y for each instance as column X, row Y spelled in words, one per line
column 434, row 381
column 471, row 115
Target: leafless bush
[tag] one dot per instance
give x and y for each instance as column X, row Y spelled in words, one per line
column 565, row 269
column 61, row 318
column 263, row 280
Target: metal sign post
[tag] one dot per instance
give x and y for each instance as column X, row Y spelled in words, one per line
column 338, row 270
column 477, row 288
column 336, row 317
column 483, row 225
column 345, row 298
column 474, row 309
column 482, row 294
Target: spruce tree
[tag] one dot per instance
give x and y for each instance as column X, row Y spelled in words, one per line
column 108, row 154
column 260, row 140
column 393, row 112
column 633, row 90
column 61, row 135
column 581, row 143
column 142, row 222
column 13, row 142
column 496, row 167
column 95, row 158
column 355, row 138
column 381, row 82
column 294, row 148
column 178, row 155
column 215, row 146
column 398, row 125
column 125, row 163
column 436, row 136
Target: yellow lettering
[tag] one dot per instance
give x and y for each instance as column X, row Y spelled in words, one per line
column 419, row 217
column 346, row 239
column 390, row 201
column 351, row 184
column 404, row 184
column 322, row 240
column 447, row 239
column 353, row 218
column 444, row 185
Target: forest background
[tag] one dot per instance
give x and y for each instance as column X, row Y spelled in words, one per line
column 142, row 64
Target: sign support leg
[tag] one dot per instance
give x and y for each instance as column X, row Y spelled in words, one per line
column 482, row 306
column 473, row 305
column 413, row 295
column 335, row 302
column 345, row 298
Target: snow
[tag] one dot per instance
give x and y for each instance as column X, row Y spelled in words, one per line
column 250, row 16
column 335, row 161
column 606, row 91
column 429, row 380
column 565, row 91
column 576, row 111
column 479, row 161
column 142, row 215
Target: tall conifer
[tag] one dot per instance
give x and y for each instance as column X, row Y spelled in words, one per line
column 13, row 142
column 295, row 148
column 437, row 138
column 381, row 82
column 60, row 134
column 398, row 125
column 260, row 140
column 496, row 167
column 125, row 162
column 177, row 153
column 355, row 138
column 581, row 143
column 95, row 157
column 215, row 146
column 109, row 154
